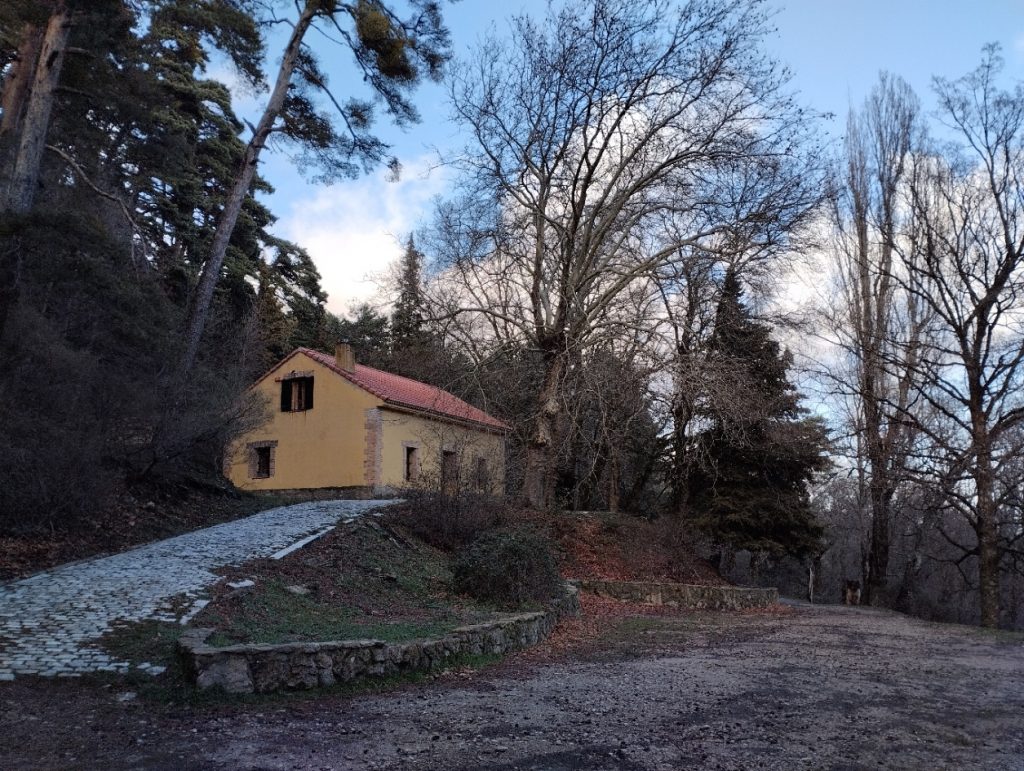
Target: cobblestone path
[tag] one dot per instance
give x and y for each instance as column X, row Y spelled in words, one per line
column 48, row 622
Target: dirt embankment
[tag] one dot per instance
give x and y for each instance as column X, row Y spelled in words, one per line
column 620, row 547
column 131, row 519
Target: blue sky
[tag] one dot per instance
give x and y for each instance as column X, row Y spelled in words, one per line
column 834, row 48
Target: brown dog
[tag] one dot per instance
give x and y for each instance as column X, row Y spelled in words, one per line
column 851, row 596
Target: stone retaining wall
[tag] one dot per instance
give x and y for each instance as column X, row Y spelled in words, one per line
column 682, row 595
column 292, row 666
column 311, row 494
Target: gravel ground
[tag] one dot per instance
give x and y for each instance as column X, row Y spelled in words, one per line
column 823, row 687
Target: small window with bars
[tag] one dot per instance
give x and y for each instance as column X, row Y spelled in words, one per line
column 262, row 459
column 412, row 463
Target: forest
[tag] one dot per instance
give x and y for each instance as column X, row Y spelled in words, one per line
column 614, row 271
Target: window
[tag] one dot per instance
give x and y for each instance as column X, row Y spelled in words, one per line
column 262, row 459
column 262, row 462
column 297, row 394
column 449, row 472
column 412, row 463
column 481, row 478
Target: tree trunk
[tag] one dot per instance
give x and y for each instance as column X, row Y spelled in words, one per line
column 30, row 138
column 16, row 90
column 813, row 576
column 591, row 492
column 540, row 448
column 988, row 540
column 613, row 481
column 640, row 481
column 871, row 332
column 679, row 487
column 877, row 578
column 200, row 306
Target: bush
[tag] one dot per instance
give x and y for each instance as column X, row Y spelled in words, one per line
column 510, row 568
column 449, row 522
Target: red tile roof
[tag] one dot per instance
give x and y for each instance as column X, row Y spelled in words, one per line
column 403, row 392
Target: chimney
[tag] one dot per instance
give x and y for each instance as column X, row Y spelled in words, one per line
column 344, row 357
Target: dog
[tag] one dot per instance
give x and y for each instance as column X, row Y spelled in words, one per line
column 851, row 596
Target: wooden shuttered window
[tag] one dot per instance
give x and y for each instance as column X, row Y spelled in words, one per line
column 296, row 394
column 307, row 387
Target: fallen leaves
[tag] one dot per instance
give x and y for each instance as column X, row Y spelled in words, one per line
column 620, row 547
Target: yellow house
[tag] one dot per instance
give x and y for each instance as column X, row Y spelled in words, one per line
column 337, row 424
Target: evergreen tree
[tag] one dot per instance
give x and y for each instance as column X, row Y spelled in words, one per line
column 140, row 150
column 416, row 351
column 368, row 333
column 749, row 488
column 407, row 332
column 393, row 55
column 273, row 328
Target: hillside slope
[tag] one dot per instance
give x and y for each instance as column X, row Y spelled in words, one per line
column 602, row 545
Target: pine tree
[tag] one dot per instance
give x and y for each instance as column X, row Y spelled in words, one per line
column 368, row 332
column 273, row 328
column 393, row 55
column 416, row 351
column 407, row 331
column 749, row 488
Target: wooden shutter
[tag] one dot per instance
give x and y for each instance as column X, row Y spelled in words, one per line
column 286, row 396
column 309, row 393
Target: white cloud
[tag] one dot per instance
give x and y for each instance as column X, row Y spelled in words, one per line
column 355, row 230
column 247, row 101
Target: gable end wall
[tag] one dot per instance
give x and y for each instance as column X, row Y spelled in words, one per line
column 317, row 448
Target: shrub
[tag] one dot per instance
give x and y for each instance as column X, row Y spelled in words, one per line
column 449, row 522
column 510, row 568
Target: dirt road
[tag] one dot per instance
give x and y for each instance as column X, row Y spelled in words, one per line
column 822, row 687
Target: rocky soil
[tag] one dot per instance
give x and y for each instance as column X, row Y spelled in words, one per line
column 819, row 687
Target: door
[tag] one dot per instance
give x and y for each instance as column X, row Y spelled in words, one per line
column 449, row 472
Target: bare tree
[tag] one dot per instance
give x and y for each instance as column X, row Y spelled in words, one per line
column 605, row 139
column 966, row 263
column 876, row 323
column 611, row 442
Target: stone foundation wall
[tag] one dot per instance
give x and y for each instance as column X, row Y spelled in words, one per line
column 293, row 666
column 302, row 495
column 682, row 595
